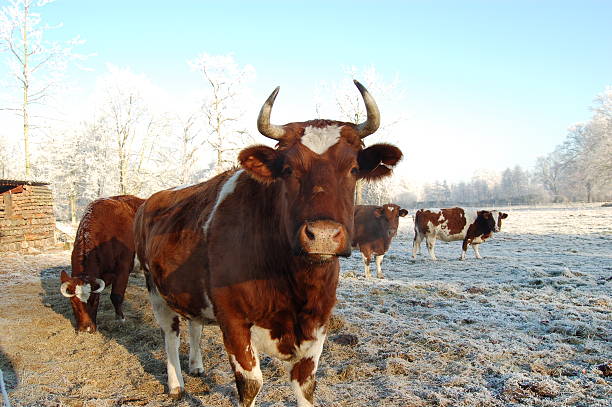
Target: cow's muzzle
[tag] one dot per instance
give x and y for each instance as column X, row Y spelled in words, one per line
column 323, row 239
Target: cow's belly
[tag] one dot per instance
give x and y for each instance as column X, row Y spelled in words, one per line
column 263, row 342
column 446, row 237
column 477, row 239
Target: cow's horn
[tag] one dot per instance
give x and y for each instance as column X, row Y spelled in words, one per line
column 263, row 121
column 373, row 121
column 64, row 290
column 102, row 285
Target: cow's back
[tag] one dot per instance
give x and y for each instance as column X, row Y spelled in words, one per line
column 448, row 224
column 105, row 235
column 170, row 242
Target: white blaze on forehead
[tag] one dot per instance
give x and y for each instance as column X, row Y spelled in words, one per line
column 497, row 218
column 226, row 190
column 320, row 139
column 83, row 292
column 390, row 208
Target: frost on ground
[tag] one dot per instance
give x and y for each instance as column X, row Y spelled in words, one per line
column 529, row 325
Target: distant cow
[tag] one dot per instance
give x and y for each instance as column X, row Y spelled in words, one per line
column 375, row 226
column 103, row 255
column 471, row 226
column 256, row 249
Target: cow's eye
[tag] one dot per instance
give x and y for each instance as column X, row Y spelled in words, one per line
column 354, row 170
column 287, row 171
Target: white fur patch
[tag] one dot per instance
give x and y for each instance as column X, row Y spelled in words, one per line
column 208, row 313
column 226, row 190
column 496, row 217
column 320, row 139
column 83, row 292
column 262, row 340
column 254, row 374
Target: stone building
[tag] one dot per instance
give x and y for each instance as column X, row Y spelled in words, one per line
column 27, row 222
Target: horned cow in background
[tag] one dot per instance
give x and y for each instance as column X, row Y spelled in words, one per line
column 256, row 249
column 375, row 227
column 103, row 255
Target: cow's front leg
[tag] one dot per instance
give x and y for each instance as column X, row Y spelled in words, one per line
column 244, row 361
column 431, row 246
column 302, row 371
column 195, row 354
column 120, row 283
column 366, row 263
column 379, row 260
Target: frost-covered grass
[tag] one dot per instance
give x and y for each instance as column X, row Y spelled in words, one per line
column 530, row 325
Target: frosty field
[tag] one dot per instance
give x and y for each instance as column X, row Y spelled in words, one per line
column 528, row 325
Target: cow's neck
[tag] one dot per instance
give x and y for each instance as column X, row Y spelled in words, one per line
column 312, row 284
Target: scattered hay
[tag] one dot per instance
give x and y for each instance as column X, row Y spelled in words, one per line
column 446, row 333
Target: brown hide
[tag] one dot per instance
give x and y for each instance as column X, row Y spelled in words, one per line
column 258, row 247
column 455, row 218
column 483, row 228
column 455, row 224
column 375, row 227
column 103, row 249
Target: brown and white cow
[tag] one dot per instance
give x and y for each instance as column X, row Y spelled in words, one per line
column 375, row 226
column 256, row 249
column 450, row 224
column 103, row 255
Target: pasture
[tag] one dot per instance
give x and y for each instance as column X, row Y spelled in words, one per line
column 530, row 325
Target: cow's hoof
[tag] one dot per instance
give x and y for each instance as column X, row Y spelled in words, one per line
column 176, row 393
column 196, row 371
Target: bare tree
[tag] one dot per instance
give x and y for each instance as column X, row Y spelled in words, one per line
column 550, row 171
column 132, row 127
column 191, row 139
column 222, row 108
column 36, row 64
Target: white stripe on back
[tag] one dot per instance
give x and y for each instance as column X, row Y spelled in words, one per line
column 227, row 189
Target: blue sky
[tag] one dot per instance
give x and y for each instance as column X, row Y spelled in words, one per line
column 488, row 84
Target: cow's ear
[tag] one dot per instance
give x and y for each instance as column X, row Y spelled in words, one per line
column 503, row 215
column 403, row 212
column 261, row 162
column 64, row 276
column 378, row 212
column 378, row 160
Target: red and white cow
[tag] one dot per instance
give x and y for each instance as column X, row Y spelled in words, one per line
column 256, row 249
column 375, row 226
column 103, row 254
column 471, row 226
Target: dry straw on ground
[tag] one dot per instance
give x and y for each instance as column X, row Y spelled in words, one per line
column 528, row 325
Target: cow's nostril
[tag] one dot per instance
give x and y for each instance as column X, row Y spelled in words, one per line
column 309, row 233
